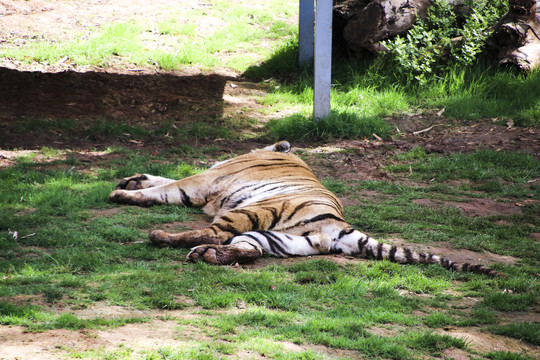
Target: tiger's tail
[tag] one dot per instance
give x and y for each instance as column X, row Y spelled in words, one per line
column 353, row 242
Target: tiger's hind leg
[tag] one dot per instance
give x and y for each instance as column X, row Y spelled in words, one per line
column 240, row 252
column 251, row 245
column 187, row 239
column 220, row 231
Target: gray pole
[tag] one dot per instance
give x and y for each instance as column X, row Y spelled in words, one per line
column 323, row 59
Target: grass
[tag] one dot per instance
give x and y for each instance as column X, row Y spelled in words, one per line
column 526, row 331
column 482, row 175
column 337, row 126
column 358, row 108
column 36, row 320
column 484, row 94
column 236, row 41
column 77, row 257
column 506, row 355
column 482, row 164
column 124, row 132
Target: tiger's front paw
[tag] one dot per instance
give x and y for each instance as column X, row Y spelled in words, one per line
column 135, row 182
column 161, row 238
column 131, row 198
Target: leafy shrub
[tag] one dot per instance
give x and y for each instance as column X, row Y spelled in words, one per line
column 449, row 36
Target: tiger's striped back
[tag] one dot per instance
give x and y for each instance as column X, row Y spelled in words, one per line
column 265, row 178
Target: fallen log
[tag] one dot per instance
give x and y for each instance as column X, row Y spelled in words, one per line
column 515, row 40
column 366, row 23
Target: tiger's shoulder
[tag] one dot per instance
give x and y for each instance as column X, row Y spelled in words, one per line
column 272, row 161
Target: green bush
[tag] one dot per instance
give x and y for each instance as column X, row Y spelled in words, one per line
column 449, row 36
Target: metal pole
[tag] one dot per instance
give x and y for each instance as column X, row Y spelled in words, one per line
column 323, row 59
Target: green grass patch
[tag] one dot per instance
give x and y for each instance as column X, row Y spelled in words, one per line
column 443, row 319
column 526, row 331
column 358, row 108
column 282, row 63
column 336, row 126
column 37, row 320
column 507, row 355
column 481, row 92
column 423, row 224
column 433, row 342
column 505, row 301
column 482, row 164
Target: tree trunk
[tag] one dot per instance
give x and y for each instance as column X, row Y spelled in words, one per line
column 516, row 37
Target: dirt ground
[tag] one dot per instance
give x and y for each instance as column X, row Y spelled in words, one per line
column 150, row 97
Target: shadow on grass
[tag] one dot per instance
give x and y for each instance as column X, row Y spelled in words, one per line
column 78, row 109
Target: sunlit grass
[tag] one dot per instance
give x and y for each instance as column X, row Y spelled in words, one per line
column 34, row 319
column 236, row 38
column 482, row 164
column 525, row 331
column 365, row 91
column 479, row 93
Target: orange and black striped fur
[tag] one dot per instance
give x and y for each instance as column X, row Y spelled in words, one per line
column 268, row 201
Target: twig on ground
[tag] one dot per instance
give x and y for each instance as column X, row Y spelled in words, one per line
column 423, row 131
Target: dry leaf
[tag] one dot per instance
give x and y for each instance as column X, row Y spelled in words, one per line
column 510, row 123
column 13, row 233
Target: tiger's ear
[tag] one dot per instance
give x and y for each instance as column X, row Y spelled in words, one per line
column 281, row 146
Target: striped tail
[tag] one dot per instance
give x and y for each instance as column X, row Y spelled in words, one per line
column 353, row 242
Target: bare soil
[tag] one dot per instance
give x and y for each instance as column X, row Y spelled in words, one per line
column 149, row 97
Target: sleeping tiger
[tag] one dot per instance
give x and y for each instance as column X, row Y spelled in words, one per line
column 267, row 201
